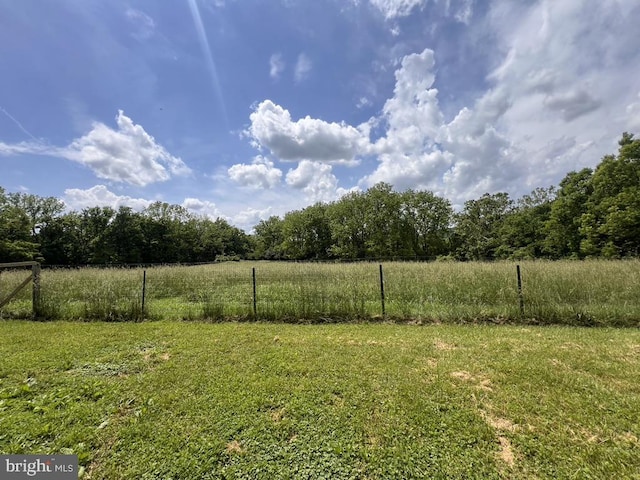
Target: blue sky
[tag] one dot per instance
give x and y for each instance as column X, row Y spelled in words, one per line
column 244, row 109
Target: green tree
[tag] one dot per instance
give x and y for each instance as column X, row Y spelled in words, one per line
column 621, row 224
column 523, row 230
column 234, row 241
column 426, row 221
column 16, row 242
column 609, row 225
column 347, row 221
column 562, row 230
column 478, row 226
column 306, row 233
column 268, row 239
column 165, row 235
column 39, row 210
column 61, row 240
column 124, row 237
column 94, row 246
column 385, row 232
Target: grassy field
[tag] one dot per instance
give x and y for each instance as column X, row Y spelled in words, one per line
column 589, row 293
column 357, row 401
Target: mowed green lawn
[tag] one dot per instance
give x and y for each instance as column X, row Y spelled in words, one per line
column 237, row 400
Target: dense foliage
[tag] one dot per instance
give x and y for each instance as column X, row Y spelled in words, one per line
column 592, row 213
column 33, row 227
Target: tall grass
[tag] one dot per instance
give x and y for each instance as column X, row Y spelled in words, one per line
column 578, row 293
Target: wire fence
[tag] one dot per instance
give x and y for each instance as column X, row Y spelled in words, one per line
column 579, row 293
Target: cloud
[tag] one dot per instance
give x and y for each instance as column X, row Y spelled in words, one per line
column 396, row 8
column 540, row 116
column 144, row 24
column 202, row 208
column 261, row 173
column 412, row 114
column 304, row 139
column 25, row 148
column 572, row 104
column 315, row 179
column 555, row 99
column 276, row 65
column 460, row 10
column 633, row 114
column 101, row 196
column 248, row 218
column 128, row 154
column 363, row 102
column 460, row 159
column 302, row 68
column 464, row 11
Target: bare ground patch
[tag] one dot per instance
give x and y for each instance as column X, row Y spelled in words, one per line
column 277, row 415
column 440, row 345
column 506, row 451
column 498, row 423
column 462, row 375
column 481, row 383
column 234, row 448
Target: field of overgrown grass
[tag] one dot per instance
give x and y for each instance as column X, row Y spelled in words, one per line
column 591, row 293
column 358, row 401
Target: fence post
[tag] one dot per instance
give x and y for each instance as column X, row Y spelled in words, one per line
column 255, row 306
column 35, row 273
column 144, row 289
column 520, row 296
column 382, row 290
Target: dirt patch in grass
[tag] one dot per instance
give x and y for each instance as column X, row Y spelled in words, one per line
column 506, row 451
column 629, row 437
column 485, row 385
column 462, row 375
column 440, row 345
column 500, row 424
column 277, row 415
column 482, row 383
column 234, row 448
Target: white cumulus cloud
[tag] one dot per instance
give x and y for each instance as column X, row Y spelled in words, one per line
column 315, row 179
column 306, row 138
column 101, row 196
column 261, row 173
column 202, row 208
column 249, row 217
column 127, row 154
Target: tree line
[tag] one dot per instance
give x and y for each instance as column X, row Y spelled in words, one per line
column 591, row 213
column 37, row 228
